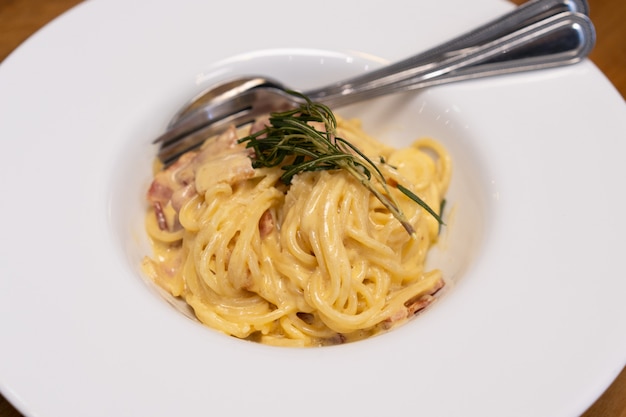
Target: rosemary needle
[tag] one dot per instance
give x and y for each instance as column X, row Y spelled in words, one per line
column 292, row 142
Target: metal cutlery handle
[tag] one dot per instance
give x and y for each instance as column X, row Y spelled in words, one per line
column 563, row 39
column 520, row 17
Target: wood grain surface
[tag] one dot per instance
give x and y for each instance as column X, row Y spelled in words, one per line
column 21, row 18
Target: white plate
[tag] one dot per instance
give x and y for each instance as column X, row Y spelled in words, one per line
column 534, row 324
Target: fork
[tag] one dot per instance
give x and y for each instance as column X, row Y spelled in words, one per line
column 549, row 40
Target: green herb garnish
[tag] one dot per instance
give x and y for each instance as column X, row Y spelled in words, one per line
column 291, row 141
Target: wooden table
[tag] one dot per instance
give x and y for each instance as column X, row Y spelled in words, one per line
column 21, row 18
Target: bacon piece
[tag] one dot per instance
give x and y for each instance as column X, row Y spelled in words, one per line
column 413, row 306
column 419, row 303
column 159, row 192
column 337, row 339
column 160, row 215
column 266, row 224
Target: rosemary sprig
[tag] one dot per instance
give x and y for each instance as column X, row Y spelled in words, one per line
column 291, row 140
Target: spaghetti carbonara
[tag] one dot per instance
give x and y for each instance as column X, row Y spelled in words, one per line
column 319, row 261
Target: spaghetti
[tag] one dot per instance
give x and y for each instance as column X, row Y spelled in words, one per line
column 314, row 262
